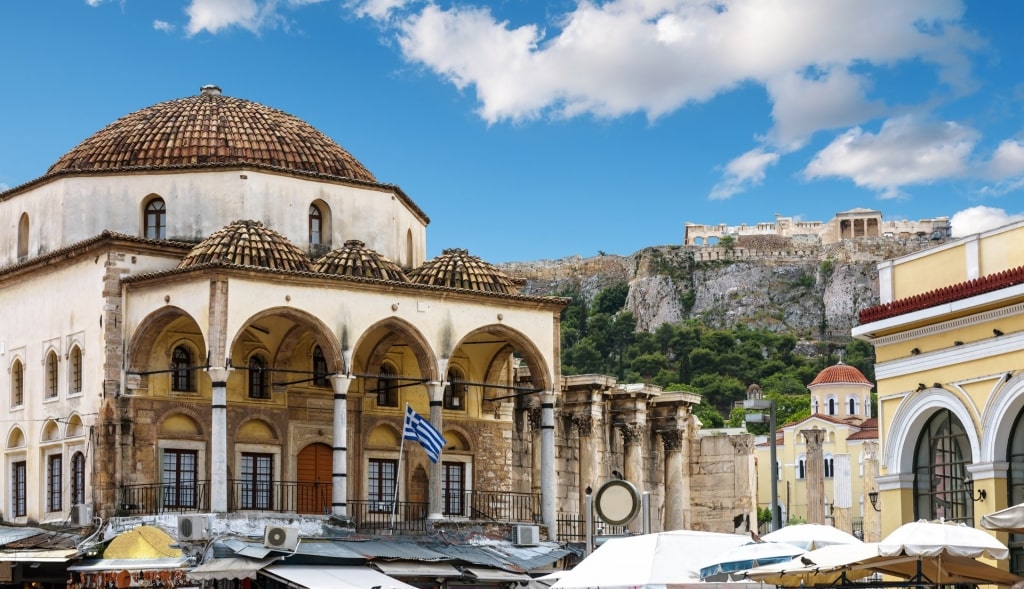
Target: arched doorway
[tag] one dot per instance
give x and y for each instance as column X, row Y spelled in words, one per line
column 313, row 474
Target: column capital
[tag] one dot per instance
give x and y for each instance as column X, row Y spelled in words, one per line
column 672, row 439
column 218, row 374
column 632, row 432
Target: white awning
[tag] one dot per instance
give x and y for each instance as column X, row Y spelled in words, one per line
column 332, row 577
column 60, row 555
column 129, row 564
column 489, row 574
column 411, row 568
column 229, row 568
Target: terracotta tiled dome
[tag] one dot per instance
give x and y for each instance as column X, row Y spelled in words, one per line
column 211, row 130
column 840, row 373
column 455, row 268
column 355, row 259
column 248, row 243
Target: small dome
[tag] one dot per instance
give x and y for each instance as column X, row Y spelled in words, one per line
column 211, row 130
column 248, row 243
column 840, row 374
column 355, row 259
column 455, row 268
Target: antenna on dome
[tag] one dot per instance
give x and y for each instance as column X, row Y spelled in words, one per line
column 210, row 90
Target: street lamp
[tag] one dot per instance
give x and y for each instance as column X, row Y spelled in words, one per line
column 758, row 404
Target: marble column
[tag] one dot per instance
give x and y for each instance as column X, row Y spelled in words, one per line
column 632, row 454
column 219, row 441
column 436, row 391
column 549, row 484
column 815, row 484
column 339, row 472
column 588, row 463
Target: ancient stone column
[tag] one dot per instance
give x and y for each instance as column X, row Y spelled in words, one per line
column 588, row 463
column 672, row 439
column 632, row 454
column 339, row 471
column 872, row 517
column 533, row 416
column 815, row 461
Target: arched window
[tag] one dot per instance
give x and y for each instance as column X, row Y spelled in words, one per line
column 455, row 391
column 319, row 228
column 940, row 467
column 387, row 386
column 51, row 374
column 814, row 407
column 155, row 220
column 181, row 370
column 319, row 367
column 830, row 467
column 259, row 387
column 75, row 371
column 77, row 479
column 801, row 467
column 1015, row 489
column 17, row 384
column 830, row 404
column 23, row 237
column 852, row 406
column 316, row 222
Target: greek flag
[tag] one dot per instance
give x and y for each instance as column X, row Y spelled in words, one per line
column 420, row 430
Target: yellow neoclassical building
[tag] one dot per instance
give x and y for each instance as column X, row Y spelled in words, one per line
column 949, row 341
column 841, row 436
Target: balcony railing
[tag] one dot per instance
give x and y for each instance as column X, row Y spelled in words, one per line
column 159, row 498
column 378, row 516
column 316, row 498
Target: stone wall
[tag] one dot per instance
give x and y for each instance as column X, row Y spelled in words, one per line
column 723, row 483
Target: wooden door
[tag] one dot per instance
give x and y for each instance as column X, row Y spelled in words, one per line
column 313, row 474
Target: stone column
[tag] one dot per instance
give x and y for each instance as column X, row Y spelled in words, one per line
column 632, row 454
column 339, row 472
column 548, row 481
column 533, row 415
column 588, row 465
column 436, row 391
column 815, row 460
column 672, row 439
column 219, row 441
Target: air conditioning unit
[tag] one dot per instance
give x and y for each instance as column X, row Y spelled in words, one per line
column 193, row 527
column 527, row 535
column 281, row 537
column 81, row 514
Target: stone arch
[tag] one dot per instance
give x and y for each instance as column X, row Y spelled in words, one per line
column 150, row 331
column 909, row 420
column 383, row 435
column 1004, row 404
column 380, row 336
column 257, row 430
column 16, row 438
column 458, row 438
column 304, row 322
column 75, row 428
column 515, row 342
column 179, row 423
column 50, row 432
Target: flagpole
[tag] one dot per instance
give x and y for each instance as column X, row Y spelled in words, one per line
column 398, row 474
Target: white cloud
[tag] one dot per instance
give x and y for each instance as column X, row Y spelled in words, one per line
column 161, row 25
column 745, row 171
column 94, row 3
column 654, row 56
column 978, row 219
column 905, row 151
column 376, row 9
column 1007, row 161
column 214, row 15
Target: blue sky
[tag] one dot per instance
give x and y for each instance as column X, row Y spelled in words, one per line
column 531, row 130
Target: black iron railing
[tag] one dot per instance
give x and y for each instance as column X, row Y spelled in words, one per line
column 503, row 506
column 378, row 516
column 158, row 498
column 279, row 496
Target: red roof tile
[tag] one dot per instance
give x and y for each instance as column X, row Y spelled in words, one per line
column 840, row 374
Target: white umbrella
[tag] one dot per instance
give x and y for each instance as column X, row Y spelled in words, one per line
column 649, row 560
column 811, row 536
column 927, row 538
column 1010, row 519
column 822, row 566
column 749, row 556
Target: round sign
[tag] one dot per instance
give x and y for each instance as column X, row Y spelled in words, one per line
column 617, row 502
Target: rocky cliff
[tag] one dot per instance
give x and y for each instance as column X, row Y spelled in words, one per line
column 809, row 290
